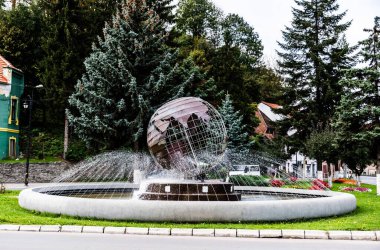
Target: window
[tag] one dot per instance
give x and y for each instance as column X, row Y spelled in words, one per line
column 13, row 110
column 12, row 147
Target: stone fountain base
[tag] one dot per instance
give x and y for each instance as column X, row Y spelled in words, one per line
column 305, row 204
column 189, row 191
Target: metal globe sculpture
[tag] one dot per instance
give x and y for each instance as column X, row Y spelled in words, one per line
column 187, row 134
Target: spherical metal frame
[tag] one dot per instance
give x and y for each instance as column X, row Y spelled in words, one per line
column 187, row 134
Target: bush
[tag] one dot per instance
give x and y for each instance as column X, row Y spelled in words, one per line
column 277, row 183
column 345, row 181
column 77, row 151
column 249, row 180
column 43, row 144
column 319, row 185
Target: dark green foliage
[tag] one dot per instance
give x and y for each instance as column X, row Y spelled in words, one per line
column 249, row 180
column 312, row 55
column 70, row 27
column 226, row 48
column 43, row 144
column 357, row 120
column 269, row 83
column 20, row 33
column 77, row 151
column 237, row 138
column 163, row 8
column 321, row 146
column 237, row 33
column 129, row 74
column 198, row 18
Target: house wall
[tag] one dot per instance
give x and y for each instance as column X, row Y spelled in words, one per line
column 10, row 128
column 306, row 167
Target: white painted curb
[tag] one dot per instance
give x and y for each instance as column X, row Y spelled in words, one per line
column 204, row 232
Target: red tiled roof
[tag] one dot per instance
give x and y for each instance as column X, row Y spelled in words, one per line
column 262, row 128
column 4, row 63
column 2, row 78
column 272, row 105
column 265, row 121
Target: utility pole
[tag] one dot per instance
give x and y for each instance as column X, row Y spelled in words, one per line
column 28, row 104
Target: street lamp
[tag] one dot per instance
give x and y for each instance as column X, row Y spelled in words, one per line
column 28, row 104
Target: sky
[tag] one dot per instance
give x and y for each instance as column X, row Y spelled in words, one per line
column 269, row 17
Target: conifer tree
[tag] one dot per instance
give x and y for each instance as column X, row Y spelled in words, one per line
column 128, row 75
column 69, row 28
column 237, row 138
column 312, row 55
column 357, row 120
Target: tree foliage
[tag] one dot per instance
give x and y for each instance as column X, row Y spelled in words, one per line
column 312, row 55
column 129, row 73
column 237, row 138
column 357, row 119
column 71, row 26
column 20, row 32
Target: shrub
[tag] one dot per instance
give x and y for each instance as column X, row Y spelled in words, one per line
column 318, row 184
column 345, row 181
column 249, row 180
column 355, row 189
column 77, row 151
column 277, row 183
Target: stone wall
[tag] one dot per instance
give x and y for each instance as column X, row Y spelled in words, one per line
column 38, row 173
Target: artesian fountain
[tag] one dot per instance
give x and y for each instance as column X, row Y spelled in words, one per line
column 187, row 140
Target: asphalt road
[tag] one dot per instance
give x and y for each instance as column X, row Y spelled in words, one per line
column 58, row 241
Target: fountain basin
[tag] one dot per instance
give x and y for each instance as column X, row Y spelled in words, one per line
column 304, row 204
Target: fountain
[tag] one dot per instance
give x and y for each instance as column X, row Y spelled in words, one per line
column 187, row 141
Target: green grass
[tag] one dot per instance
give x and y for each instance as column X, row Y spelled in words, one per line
column 365, row 217
column 46, row 160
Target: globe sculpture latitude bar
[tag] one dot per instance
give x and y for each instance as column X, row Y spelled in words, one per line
column 188, row 135
column 187, row 138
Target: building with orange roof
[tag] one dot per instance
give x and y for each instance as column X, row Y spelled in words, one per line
column 11, row 89
column 267, row 119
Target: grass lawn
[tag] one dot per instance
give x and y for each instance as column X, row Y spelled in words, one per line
column 365, row 217
column 46, row 160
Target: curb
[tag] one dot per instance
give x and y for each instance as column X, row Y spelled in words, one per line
column 201, row 232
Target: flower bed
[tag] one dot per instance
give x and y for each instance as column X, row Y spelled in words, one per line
column 345, row 181
column 355, row 189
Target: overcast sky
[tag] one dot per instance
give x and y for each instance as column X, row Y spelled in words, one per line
column 269, row 17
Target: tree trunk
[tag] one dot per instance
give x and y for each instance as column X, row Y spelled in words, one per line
column 136, row 146
column 319, row 169
column 13, row 4
column 66, row 138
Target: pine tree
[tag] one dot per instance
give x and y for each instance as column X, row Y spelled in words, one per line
column 163, row 8
column 69, row 29
column 237, row 138
column 357, row 119
column 128, row 75
column 312, row 56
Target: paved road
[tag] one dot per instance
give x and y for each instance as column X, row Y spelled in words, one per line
column 368, row 179
column 60, row 241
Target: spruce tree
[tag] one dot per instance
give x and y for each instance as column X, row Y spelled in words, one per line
column 128, row 75
column 312, row 55
column 357, row 119
column 69, row 28
column 237, row 138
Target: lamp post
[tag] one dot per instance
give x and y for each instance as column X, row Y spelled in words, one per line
column 28, row 104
